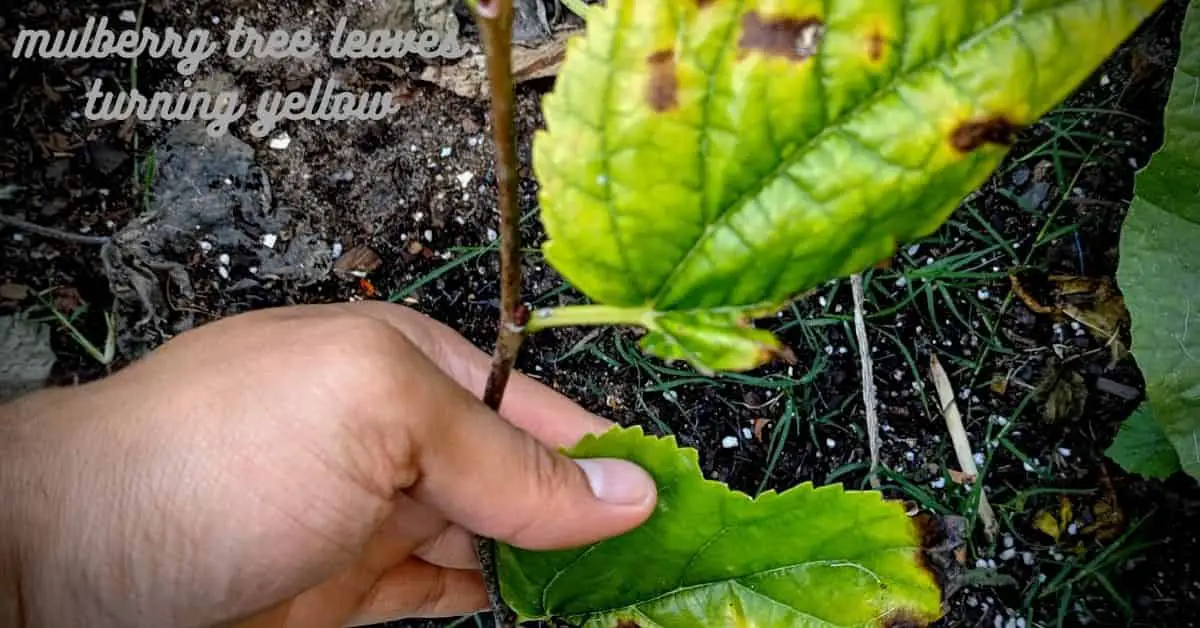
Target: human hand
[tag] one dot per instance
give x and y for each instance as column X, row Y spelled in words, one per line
column 308, row 466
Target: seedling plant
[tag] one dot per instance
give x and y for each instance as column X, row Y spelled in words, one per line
column 706, row 162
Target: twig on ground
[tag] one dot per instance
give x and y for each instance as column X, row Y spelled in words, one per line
column 868, row 375
column 962, row 447
column 495, row 19
column 49, row 232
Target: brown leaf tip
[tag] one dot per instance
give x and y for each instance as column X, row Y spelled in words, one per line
column 663, row 91
column 797, row 39
column 974, row 134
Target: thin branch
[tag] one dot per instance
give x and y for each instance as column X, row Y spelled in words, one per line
column 78, row 238
column 495, row 18
column 868, row 375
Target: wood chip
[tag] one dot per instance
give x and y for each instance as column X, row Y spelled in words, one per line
column 1128, row 393
column 962, row 446
column 13, row 292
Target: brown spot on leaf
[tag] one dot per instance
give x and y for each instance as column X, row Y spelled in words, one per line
column 876, row 46
column 704, row 4
column 663, row 92
column 797, row 39
column 974, row 134
column 627, row 623
column 902, row 619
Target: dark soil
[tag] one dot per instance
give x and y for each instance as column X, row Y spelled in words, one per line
column 400, row 188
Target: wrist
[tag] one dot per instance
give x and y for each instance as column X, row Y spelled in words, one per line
column 27, row 457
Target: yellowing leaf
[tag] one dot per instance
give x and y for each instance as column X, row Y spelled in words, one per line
column 706, row 155
column 710, row 556
column 1054, row 523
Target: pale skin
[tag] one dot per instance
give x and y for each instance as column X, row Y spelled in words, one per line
column 313, row 466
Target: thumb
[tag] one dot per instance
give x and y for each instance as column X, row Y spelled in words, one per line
column 491, row 478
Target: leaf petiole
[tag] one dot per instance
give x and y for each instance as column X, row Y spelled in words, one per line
column 589, row 316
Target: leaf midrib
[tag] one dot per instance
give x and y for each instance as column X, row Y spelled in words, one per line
column 805, row 148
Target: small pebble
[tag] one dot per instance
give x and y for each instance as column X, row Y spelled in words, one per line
column 1028, row 467
column 1073, row 529
column 984, row 294
column 913, row 250
column 981, row 563
column 428, row 235
column 979, row 459
column 1105, row 81
column 128, row 16
column 1064, row 452
column 224, row 259
column 465, row 178
column 939, row 483
column 902, row 282
column 492, row 235
column 223, row 272
column 205, row 246
column 830, row 443
column 1008, row 540
column 447, row 151
column 1027, row 558
column 910, row 456
column 337, row 250
column 729, row 442
column 1008, row 554
column 269, row 240
column 746, row 433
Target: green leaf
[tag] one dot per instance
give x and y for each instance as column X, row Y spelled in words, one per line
column 1160, row 270
column 1141, row 447
column 710, row 556
column 706, row 154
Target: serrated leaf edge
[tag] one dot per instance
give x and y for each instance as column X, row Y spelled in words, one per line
column 691, row 460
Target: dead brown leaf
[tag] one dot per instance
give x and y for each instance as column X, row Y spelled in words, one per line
column 759, row 426
column 1066, row 393
column 358, row 261
column 1093, row 302
column 468, row 77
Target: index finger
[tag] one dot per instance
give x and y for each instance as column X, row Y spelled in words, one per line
column 551, row 418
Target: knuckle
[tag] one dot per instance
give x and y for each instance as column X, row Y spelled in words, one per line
column 550, row 485
column 359, row 352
